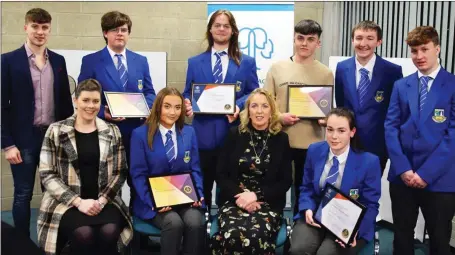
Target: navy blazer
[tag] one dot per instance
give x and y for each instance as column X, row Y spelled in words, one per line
column 146, row 162
column 100, row 66
column 212, row 129
column 425, row 143
column 370, row 118
column 18, row 96
column 362, row 172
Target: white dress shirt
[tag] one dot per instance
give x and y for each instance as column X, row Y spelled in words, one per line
column 342, row 158
column 164, row 131
column 432, row 75
column 369, row 66
column 224, row 61
column 115, row 59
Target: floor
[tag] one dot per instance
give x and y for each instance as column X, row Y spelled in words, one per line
column 385, row 237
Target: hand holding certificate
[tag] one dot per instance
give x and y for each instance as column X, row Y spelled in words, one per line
column 310, row 101
column 340, row 214
column 173, row 190
column 213, row 98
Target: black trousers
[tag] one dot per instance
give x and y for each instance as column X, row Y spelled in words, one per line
column 208, row 160
column 298, row 156
column 438, row 209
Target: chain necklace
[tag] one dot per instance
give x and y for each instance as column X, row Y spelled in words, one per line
column 258, row 158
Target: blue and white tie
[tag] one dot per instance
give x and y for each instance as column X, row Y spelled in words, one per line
column 123, row 73
column 423, row 91
column 169, row 147
column 333, row 173
column 218, row 68
column 363, row 85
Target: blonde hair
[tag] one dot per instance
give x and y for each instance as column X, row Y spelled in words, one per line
column 274, row 121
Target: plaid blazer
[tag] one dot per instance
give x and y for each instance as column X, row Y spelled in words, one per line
column 59, row 173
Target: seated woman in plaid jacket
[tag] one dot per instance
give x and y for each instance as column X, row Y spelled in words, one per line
column 82, row 168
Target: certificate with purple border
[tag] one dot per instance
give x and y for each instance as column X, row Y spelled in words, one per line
column 310, row 101
column 127, row 105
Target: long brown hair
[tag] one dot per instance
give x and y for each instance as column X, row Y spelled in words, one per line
column 233, row 50
column 153, row 120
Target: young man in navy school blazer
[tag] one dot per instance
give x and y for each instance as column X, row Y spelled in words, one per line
column 420, row 135
column 368, row 98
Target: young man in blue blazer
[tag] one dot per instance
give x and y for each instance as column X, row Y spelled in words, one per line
column 35, row 93
column 420, row 135
column 222, row 62
column 364, row 85
column 118, row 69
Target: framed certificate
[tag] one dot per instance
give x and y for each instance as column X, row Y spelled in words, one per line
column 213, row 98
column 173, row 190
column 127, row 105
column 310, row 101
column 340, row 214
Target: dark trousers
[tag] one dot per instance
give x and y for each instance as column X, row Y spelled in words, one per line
column 383, row 162
column 438, row 209
column 185, row 224
column 307, row 239
column 298, row 156
column 24, row 180
column 208, row 160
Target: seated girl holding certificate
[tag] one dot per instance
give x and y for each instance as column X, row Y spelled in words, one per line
column 165, row 145
column 253, row 176
column 337, row 161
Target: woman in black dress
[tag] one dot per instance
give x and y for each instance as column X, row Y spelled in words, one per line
column 253, row 178
column 83, row 167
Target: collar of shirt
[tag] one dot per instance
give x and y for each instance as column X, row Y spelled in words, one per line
column 31, row 54
column 114, row 58
column 341, row 158
column 214, row 51
column 432, row 74
column 164, row 130
column 369, row 66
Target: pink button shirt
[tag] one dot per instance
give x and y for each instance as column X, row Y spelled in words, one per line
column 43, row 85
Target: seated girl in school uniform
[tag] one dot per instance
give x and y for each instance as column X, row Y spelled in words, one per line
column 340, row 162
column 165, row 145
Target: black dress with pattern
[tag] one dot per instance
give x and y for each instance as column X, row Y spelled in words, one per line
column 241, row 232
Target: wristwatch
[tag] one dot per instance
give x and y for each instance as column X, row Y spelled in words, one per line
column 101, row 204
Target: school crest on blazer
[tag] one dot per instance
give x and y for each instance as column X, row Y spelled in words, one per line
column 438, row 116
column 139, row 84
column 379, row 96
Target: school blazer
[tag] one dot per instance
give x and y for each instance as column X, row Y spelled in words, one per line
column 100, row 66
column 423, row 141
column 370, row 118
column 277, row 179
column 212, row 129
column 18, row 96
column 361, row 173
column 146, row 162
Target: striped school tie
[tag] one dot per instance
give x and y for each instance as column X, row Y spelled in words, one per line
column 333, row 173
column 423, row 91
column 218, row 68
column 123, row 73
column 169, row 147
column 363, row 85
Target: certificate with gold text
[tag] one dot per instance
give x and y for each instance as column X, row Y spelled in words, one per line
column 310, row 101
column 213, row 98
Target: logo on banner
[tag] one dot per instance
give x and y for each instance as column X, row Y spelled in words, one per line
column 255, row 43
